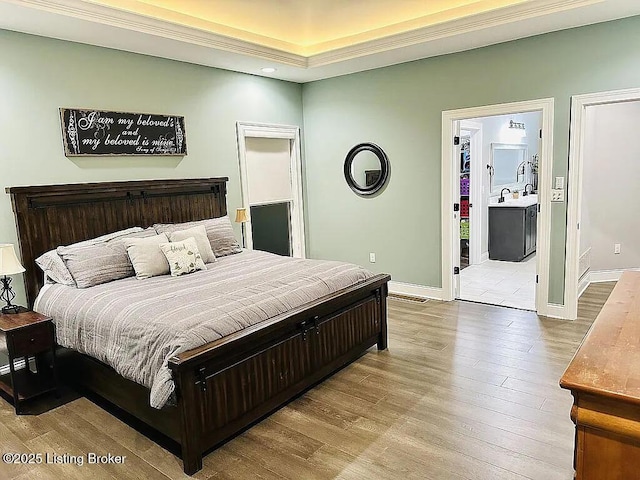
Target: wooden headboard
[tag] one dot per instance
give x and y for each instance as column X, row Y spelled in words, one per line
column 51, row 215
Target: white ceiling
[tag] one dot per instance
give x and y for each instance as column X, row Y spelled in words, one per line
column 305, row 40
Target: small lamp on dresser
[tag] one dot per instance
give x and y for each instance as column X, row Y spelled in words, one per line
column 9, row 265
column 242, row 218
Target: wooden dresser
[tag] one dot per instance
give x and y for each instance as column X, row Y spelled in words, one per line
column 604, row 379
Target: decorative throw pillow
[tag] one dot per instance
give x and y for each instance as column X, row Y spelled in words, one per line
column 219, row 232
column 198, row 233
column 183, row 257
column 146, row 256
column 53, row 266
column 92, row 265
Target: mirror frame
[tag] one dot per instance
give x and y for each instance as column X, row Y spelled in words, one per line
column 384, row 169
column 523, row 147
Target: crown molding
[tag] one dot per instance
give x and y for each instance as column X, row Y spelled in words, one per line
column 93, row 12
column 104, row 15
column 481, row 21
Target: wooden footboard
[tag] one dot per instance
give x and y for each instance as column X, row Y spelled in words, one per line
column 227, row 385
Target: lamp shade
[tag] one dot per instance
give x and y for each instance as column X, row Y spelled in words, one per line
column 9, row 263
column 241, row 215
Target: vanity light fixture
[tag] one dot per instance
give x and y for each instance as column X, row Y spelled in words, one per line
column 516, row 125
column 268, row 70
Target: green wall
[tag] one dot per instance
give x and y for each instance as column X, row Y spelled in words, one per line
column 400, row 109
column 38, row 75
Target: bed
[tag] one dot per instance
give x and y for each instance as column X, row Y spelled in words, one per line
column 226, row 384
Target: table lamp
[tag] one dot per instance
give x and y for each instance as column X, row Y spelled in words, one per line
column 9, row 265
column 242, row 218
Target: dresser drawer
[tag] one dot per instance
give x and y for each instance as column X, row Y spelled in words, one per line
column 31, row 340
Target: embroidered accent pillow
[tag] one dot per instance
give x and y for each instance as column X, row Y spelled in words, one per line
column 199, row 233
column 183, row 257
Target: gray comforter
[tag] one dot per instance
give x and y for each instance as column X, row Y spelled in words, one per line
column 135, row 326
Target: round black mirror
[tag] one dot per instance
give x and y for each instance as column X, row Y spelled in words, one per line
column 366, row 168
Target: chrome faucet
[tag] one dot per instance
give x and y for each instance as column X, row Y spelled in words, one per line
column 501, row 199
column 525, row 193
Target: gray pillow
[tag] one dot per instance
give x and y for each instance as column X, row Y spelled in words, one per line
column 124, row 234
column 219, row 232
column 199, row 234
column 95, row 264
column 53, row 266
column 145, row 255
column 101, row 259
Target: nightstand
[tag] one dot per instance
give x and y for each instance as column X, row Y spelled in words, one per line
column 29, row 334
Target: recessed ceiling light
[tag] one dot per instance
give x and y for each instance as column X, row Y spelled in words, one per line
column 268, row 70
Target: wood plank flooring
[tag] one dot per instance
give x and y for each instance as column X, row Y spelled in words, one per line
column 465, row 391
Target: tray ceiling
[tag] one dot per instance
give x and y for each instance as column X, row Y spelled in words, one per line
column 311, row 26
column 303, row 40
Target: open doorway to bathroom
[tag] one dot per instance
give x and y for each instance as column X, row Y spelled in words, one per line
column 501, row 191
column 493, row 179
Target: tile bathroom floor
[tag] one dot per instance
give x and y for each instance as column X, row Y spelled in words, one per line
column 509, row 284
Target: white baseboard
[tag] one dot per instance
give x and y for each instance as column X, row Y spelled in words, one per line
column 413, row 290
column 608, row 275
column 484, row 257
column 552, row 310
column 583, row 283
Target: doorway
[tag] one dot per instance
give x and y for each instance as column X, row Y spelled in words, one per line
column 271, row 180
column 603, row 178
column 501, row 220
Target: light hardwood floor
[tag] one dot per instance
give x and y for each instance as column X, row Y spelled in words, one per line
column 465, row 391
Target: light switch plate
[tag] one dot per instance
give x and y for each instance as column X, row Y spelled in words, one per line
column 557, row 195
column 559, row 183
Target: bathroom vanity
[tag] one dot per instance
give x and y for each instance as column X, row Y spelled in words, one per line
column 513, row 228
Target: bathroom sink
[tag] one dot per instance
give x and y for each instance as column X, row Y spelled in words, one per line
column 531, row 199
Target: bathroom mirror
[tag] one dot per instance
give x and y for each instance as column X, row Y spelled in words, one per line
column 366, row 168
column 509, row 166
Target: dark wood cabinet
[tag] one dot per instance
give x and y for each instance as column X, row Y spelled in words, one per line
column 29, row 335
column 512, row 232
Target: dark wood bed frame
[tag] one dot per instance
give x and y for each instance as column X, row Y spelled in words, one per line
column 224, row 386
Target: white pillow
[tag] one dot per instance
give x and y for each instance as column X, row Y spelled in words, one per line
column 146, row 257
column 183, row 257
column 199, row 234
column 53, row 266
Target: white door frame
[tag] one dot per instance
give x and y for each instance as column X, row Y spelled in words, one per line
column 449, row 173
column 579, row 104
column 475, row 198
column 291, row 133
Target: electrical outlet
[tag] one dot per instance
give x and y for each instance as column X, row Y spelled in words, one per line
column 616, row 248
column 560, row 183
column 372, row 257
column 557, row 195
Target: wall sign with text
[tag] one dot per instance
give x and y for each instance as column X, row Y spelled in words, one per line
column 98, row 132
